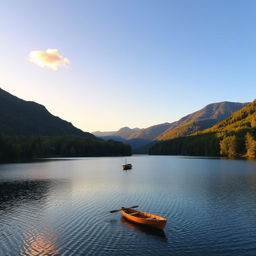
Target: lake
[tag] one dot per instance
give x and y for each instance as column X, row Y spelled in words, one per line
column 61, row 206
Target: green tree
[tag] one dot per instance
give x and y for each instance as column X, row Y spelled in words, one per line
column 250, row 146
column 229, row 146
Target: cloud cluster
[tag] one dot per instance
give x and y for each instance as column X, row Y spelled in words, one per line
column 50, row 58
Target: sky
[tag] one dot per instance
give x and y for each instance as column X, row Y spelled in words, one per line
column 103, row 65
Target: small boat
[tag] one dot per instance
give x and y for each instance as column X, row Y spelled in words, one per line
column 127, row 166
column 144, row 229
column 144, row 218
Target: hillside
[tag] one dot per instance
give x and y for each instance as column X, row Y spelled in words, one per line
column 197, row 121
column 151, row 132
column 189, row 124
column 187, row 128
column 28, row 130
column 123, row 133
column 202, row 119
column 244, row 118
column 20, row 117
column 233, row 137
column 134, row 143
column 135, row 137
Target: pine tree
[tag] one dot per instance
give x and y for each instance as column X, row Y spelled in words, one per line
column 250, row 146
column 228, row 146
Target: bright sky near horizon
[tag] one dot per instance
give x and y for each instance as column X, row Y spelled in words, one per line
column 107, row 64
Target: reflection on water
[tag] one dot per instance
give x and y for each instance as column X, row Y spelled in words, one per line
column 62, row 207
column 39, row 244
column 22, row 213
column 147, row 230
column 13, row 193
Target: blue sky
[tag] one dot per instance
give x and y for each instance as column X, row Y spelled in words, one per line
column 131, row 63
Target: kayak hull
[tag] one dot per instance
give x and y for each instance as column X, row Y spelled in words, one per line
column 144, row 218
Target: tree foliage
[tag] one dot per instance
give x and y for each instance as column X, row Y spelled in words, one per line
column 233, row 138
column 250, row 146
column 228, row 146
column 198, row 145
column 18, row 148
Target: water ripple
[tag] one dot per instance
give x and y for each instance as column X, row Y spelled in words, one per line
column 67, row 212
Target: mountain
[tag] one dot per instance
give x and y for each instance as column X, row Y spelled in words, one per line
column 202, row 119
column 116, row 138
column 123, row 133
column 28, row 131
column 242, row 119
column 134, row 143
column 218, row 111
column 20, row 117
column 151, row 132
column 197, row 121
column 189, row 124
column 234, row 137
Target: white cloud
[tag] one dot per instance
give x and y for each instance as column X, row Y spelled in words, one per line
column 50, row 58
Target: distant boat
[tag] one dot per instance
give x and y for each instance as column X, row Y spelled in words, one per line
column 142, row 218
column 127, row 166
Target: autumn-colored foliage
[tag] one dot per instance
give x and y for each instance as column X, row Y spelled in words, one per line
column 233, row 137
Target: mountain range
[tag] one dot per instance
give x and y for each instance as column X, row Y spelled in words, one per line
column 233, row 137
column 189, row 124
column 217, row 122
column 123, row 133
column 202, row 119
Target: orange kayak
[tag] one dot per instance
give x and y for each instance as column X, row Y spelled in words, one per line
column 144, row 218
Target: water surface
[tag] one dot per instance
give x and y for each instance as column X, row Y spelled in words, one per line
column 60, row 207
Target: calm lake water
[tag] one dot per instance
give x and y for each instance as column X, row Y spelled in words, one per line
column 60, row 207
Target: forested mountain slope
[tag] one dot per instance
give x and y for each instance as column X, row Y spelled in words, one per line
column 202, row 119
column 28, row 130
column 233, row 137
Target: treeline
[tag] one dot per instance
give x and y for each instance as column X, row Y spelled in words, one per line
column 21, row 148
column 240, row 144
column 198, row 145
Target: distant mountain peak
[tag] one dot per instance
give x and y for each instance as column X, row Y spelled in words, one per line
column 151, row 132
column 197, row 121
column 201, row 119
column 126, row 128
column 123, row 133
